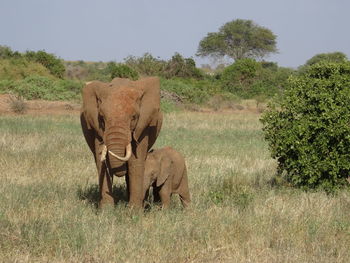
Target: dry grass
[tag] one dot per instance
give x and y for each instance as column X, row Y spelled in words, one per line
column 48, row 195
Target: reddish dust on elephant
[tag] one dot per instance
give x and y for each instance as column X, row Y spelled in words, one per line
column 166, row 172
column 121, row 120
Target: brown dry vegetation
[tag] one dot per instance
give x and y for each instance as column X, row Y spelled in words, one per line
column 48, row 194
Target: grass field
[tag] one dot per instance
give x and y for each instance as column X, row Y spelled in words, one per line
column 48, row 196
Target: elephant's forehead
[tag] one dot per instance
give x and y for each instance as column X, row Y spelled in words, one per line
column 124, row 93
column 123, row 97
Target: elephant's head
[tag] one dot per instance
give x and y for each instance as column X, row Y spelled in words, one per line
column 119, row 112
column 157, row 168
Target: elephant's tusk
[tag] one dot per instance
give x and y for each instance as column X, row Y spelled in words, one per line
column 104, row 153
column 127, row 155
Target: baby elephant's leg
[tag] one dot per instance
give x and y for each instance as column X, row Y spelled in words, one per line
column 165, row 195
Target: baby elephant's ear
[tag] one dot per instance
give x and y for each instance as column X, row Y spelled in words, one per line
column 165, row 170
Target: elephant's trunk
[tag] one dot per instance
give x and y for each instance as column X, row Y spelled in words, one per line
column 118, row 149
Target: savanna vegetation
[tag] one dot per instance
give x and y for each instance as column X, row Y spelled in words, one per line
column 247, row 206
column 246, row 75
column 49, row 194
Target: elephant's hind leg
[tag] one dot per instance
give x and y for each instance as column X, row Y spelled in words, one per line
column 185, row 198
column 184, row 191
column 156, row 196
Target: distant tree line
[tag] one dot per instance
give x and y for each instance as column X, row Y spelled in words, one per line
column 248, row 76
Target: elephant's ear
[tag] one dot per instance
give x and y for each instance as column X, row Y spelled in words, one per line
column 165, row 170
column 92, row 93
column 150, row 104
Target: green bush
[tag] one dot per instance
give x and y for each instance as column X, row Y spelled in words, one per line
column 6, row 52
column 248, row 78
column 177, row 66
column 308, row 129
column 6, row 85
column 239, row 77
column 20, row 68
column 146, row 65
column 40, row 87
column 121, row 71
column 333, row 57
column 50, row 61
column 181, row 67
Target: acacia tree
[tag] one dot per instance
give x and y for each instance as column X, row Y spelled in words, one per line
column 238, row 39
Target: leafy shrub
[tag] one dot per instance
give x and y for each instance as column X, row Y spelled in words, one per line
column 6, row 52
column 34, row 87
column 50, row 61
column 177, row 66
column 181, row 67
column 19, row 68
column 308, row 129
column 146, row 65
column 6, row 85
column 39, row 87
column 334, row 57
column 239, row 77
column 248, row 78
column 121, row 71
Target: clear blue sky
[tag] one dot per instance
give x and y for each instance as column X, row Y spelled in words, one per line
column 105, row 30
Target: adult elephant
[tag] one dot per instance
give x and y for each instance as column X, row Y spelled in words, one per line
column 121, row 121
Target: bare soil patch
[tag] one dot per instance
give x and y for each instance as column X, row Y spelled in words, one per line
column 44, row 107
column 40, row 107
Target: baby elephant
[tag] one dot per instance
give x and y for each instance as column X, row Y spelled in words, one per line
column 165, row 170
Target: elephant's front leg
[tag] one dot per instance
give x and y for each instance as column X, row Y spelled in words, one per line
column 136, row 189
column 136, row 170
column 104, row 178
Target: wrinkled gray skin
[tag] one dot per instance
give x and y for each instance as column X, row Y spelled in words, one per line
column 165, row 170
